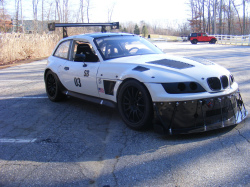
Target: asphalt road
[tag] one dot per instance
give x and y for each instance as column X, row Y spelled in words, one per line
column 77, row 143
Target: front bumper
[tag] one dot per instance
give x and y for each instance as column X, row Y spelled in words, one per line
column 199, row 115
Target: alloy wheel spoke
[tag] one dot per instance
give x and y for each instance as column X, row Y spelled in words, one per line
column 137, row 115
column 140, row 111
column 128, row 93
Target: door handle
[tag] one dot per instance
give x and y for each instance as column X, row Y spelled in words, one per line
column 66, row 68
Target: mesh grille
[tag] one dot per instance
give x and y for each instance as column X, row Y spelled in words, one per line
column 214, row 83
column 224, row 81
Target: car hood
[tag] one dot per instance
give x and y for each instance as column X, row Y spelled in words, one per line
column 161, row 65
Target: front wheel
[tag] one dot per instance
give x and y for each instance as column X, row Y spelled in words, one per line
column 135, row 105
column 213, row 41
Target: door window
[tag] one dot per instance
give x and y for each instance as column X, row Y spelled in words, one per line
column 194, row 35
column 86, row 49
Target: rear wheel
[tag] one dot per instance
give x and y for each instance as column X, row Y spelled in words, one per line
column 135, row 105
column 194, row 41
column 52, row 87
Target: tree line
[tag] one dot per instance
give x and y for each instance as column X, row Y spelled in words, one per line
column 211, row 16
column 220, row 16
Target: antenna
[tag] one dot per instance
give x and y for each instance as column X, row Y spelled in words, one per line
column 52, row 26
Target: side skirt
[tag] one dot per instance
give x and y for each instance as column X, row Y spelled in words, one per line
column 91, row 99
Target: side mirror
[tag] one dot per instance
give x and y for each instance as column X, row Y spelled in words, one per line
column 79, row 57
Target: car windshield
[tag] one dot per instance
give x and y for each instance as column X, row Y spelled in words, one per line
column 123, row 46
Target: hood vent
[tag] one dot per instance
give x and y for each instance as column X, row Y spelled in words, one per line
column 171, row 64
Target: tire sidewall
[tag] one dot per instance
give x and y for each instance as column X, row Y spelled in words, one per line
column 148, row 115
column 213, row 41
column 57, row 95
column 194, row 41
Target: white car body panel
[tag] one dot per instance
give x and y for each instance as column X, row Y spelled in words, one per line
column 76, row 70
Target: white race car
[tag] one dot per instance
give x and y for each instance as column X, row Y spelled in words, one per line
column 177, row 95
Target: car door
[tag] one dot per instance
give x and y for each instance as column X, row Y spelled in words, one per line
column 205, row 37
column 199, row 37
column 80, row 76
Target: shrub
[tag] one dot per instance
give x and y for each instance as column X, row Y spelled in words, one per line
column 19, row 46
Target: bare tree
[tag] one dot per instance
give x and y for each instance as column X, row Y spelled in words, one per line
column 88, row 8
column 237, row 12
column 220, row 16
column 244, row 16
column 49, row 11
column 214, row 17
column 209, row 17
column 35, row 4
column 42, row 15
column 110, row 11
column 203, row 15
column 58, row 9
column 82, row 11
column 229, row 17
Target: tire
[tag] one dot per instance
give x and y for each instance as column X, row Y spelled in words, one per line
column 135, row 105
column 213, row 41
column 52, row 87
column 194, row 41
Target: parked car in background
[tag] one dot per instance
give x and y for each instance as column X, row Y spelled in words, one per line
column 201, row 37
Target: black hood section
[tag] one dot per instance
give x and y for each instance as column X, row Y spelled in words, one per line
column 171, row 64
column 200, row 60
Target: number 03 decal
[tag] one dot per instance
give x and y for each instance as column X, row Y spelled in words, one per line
column 77, row 81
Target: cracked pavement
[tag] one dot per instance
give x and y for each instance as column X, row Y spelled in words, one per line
column 77, row 143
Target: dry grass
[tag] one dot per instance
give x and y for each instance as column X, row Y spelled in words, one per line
column 16, row 46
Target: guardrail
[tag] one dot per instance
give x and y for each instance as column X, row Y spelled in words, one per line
column 233, row 39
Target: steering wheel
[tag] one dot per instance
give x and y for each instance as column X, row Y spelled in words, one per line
column 133, row 48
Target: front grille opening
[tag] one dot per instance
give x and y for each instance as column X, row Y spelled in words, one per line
column 214, row 83
column 224, row 81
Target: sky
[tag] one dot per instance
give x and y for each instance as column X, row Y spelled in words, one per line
column 124, row 10
column 137, row 10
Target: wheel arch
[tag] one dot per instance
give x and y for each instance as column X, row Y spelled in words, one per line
column 45, row 73
column 128, row 79
column 61, row 86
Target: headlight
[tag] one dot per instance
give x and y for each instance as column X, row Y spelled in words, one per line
column 183, row 87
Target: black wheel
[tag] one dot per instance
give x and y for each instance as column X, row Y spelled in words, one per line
column 213, row 41
column 135, row 105
column 194, row 41
column 52, row 87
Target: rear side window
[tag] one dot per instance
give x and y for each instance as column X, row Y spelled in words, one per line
column 199, row 34
column 194, row 35
column 63, row 50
